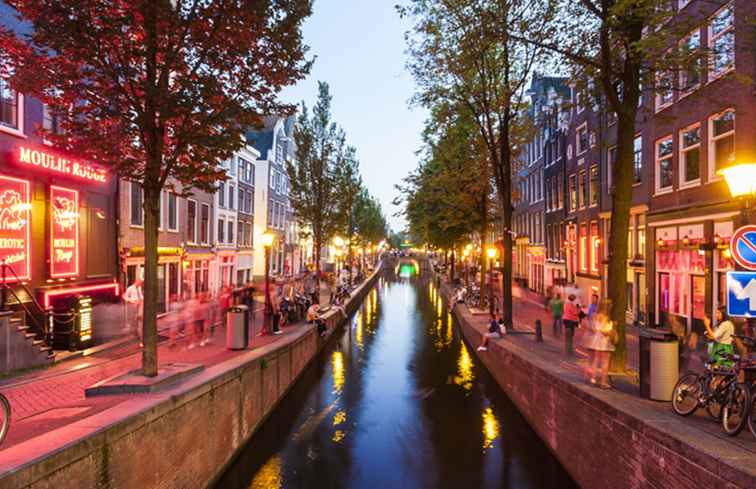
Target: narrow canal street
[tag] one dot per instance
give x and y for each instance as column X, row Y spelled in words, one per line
column 397, row 401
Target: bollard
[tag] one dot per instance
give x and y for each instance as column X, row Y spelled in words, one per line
column 538, row 332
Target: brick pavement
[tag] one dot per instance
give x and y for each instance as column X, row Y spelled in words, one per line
column 626, row 389
column 46, row 399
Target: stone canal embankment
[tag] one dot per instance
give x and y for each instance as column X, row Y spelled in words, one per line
column 607, row 438
column 180, row 437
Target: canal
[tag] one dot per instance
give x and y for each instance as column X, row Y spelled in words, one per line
column 398, row 401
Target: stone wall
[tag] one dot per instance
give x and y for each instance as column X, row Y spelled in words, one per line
column 600, row 443
column 181, row 438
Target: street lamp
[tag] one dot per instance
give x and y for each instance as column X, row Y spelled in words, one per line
column 267, row 242
column 491, row 252
column 338, row 241
column 741, row 180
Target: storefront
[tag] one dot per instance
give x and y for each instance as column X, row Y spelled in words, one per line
column 168, row 273
column 536, row 257
column 57, row 237
column 690, row 266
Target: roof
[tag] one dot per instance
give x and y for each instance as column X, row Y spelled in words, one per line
column 261, row 140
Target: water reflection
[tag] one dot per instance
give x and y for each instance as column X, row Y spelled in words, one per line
column 396, row 401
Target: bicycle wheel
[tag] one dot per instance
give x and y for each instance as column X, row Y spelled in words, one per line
column 714, row 408
column 685, row 394
column 5, row 417
column 735, row 409
column 752, row 414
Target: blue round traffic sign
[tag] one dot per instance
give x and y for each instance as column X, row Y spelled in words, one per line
column 743, row 247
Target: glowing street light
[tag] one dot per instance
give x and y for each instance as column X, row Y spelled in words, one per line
column 741, row 179
column 338, row 241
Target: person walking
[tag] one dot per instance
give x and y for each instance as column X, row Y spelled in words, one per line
column 134, row 299
column 571, row 318
column 556, row 304
column 603, row 345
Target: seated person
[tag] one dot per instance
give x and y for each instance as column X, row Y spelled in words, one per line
column 494, row 331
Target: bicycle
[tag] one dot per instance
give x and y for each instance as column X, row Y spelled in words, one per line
column 694, row 391
column 5, row 417
column 750, row 369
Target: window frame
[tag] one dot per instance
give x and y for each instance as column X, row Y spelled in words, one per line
column 683, row 75
column 192, row 238
column 140, row 224
column 18, row 129
column 578, row 148
column 658, row 189
column 207, row 240
column 638, row 162
column 712, row 38
column 711, row 140
column 174, row 215
column 681, row 158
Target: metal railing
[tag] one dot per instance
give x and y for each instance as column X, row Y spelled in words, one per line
column 42, row 331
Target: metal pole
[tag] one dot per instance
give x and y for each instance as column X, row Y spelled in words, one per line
column 268, row 306
column 490, row 286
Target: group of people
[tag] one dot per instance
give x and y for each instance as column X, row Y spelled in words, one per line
column 599, row 337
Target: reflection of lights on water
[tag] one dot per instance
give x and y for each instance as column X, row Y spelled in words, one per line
column 490, row 428
column 269, row 475
column 338, row 436
column 439, row 309
column 339, row 418
column 465, row 374
column 337, row 363
column 358, row 330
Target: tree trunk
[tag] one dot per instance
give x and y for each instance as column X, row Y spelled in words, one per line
column 318, row 243
column 621, row 203
column 483, row 271
column 505, row 196
column 453, row 267
column 149, row 325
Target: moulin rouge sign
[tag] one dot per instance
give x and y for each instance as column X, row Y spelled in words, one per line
column 57, row 164
column 15, row 227
column 64, row 232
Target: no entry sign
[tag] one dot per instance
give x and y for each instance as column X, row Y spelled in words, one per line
column 743, row 247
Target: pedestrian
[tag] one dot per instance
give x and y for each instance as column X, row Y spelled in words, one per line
column 134, row 299
column 721, row 347
column 494, row 331
column 593, row 306
column 570, row 318
column 175, row 318
column 603, row 345
column 275, row 313
column 557, row 311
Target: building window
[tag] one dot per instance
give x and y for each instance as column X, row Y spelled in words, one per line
column 221, row 230
column 583, row 248
column 230, row 232
column 573, row 192
column 721, row 141
column 137, row 204
column 560, row 191
column 583, row 189
column 664, row 164
column 641, row 252
column 191, row 221
column 595, row 246
column 172, row 212
column 594, row 187
column 221, row 194
column 581, row 138
column 50, row 121
column 205, row 224
column 9, row 104
column 664, row 89
column 249, row 201
column 690, row 74
column 722, row 41
column 690, row 155
column 241, row 200
column 231, row 201
column 637, row 159
column 611, row 160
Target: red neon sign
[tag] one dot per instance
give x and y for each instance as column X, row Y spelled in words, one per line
column 15, row 227
column 49, row 294
column 64, row 232
column 55, row 163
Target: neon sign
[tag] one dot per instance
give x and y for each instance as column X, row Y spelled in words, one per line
column 64, row 232
column 15, row 227
column 61, row 165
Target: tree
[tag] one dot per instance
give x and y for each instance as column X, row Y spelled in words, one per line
column 160, row 90
column 349, row 183
column 461, row 51
column 320, row 148
column 618, row 48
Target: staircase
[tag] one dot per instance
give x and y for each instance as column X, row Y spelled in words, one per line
column 19, row 346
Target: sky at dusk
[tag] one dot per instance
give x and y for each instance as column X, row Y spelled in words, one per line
column 359, row 48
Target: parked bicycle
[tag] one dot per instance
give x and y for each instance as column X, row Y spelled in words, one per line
column 749, row 367
column 5, row 417
column 719, row 391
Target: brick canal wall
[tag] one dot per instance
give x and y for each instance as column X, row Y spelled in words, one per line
column 183, row 437
column 601, row 443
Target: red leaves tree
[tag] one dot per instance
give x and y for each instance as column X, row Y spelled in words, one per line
column 159, row 90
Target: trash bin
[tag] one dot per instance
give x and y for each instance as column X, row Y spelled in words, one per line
column 237, row 331
column 659, row 363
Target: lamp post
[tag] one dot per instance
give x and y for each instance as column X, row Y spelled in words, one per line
column 491, row 252
column 267, row 242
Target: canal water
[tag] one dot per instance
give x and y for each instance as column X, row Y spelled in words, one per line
column 398, row 401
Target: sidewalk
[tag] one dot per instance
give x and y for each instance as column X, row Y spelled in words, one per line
column 47, row 399
column 698, row 430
